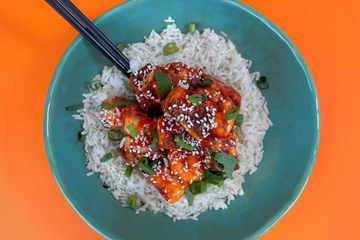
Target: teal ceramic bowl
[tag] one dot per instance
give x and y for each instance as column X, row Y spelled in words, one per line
column 290, row 145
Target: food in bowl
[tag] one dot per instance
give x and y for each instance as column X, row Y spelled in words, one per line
column 219, row 59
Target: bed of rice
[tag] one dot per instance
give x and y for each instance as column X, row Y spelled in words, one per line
column 216, row 57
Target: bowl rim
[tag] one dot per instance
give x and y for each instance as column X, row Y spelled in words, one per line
column 300, row 187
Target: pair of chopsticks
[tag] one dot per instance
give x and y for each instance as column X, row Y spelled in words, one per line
column 85, row 27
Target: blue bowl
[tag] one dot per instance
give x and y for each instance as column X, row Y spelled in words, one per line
column 290, row 145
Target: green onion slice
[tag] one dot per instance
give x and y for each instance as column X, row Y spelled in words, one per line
column 239, row 120
column 153, row 162
column 189, row 196
column 163, row 154
column 205, row 83
column 143, row 165
column 192, row 27
column 120, row 46
column 197, row 98
column 75, row 107
column 127, row 85
column 115, row 139
column 170, row 48
column 153, row 133
column 118, row 102
column 262, row 84
column 164, row 84
column 232, row 113
column 197, row 187
column 106, row 157
column 81, row 137
column 216, row 182
column 229, row 161
column 128, row 170
column 132, row 201
column 180, row 143
column 94, row 84
column 217, row 175
column 132, row 130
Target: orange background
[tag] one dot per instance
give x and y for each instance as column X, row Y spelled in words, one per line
column 32, row 39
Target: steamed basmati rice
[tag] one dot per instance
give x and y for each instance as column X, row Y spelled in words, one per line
column 216, row 57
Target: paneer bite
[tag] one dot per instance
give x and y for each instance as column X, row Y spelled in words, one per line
column 114, row 117
column 225, row 99
column 168, row 127
column 185, row 165
column 166, row 183
column 197, row 118
column 140, row 121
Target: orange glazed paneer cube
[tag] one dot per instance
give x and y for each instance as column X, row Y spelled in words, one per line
column 166, row 183
column 185, row 165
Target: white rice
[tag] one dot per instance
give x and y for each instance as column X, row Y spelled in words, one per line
column 216, row 57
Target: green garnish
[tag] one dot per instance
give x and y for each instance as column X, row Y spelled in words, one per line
column 232, row 113
column 163, row 154
column 170, row 48
column 212, row 153
column 262, row 84
column 197, row 187
column 132, row 201
column 75, row 107
column 94, row 84
column 128, row 86
column 128, row 170
column 229, row 161
column 180, row 143
column 81, row 137
column 164, row 84
column 217, row 175
column 106, row 157
column 239, row 120
column 132, row 130
column 118, row 102
column 155, row 139
column 120, row 46
column 153, row 162
column 115, row 139
column 216, row 182
column 189, row 196
column 192, row 27
column 143, row 165
column 197, row 98
column 205, row 83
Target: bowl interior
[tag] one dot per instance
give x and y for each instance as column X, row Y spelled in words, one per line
column 290, row 145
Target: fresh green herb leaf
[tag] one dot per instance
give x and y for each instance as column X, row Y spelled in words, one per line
column 143, row 165
column 164, row 84
column 154, row 142
column 239, row 120
column 154, row 111
column 127, row 85
column 153, row 162
column 229, row 161
column 218, row 175
column 106, row 157
column 115, row 131
column 205, row 83
column 118, row 102
column 212, row 153
column 180, row 143
column 132, row 130
column 75, row 107
column 170, row 48
column 197, row 98
column 94, row 84
column 120, row 46
column 197, row 187
column 216, row 182
column 153, row 133
column 192, row 27
column 128, row 170
column 81, row 137
column 132, row 201
column 189, row 196
column 232, row 113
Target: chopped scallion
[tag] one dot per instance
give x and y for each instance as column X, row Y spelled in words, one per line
column 132, row 201
column 197, row 98
column 118, row 102
column 189, row 196
column 205, row 83
column 81, row 137
column 180, row 143
column 75, row 107
column 128, row 170
column 94, row 84
column 262, row 84
column 106, row 157
column 163, row 154
column 197, row 187
column 216, row 182
column 115, row 139
column 155, row 139
column 232, row 113
column 143, row 165
column 164, row 84
column 192, row 27
column 217, row 175
column 239, row 120
column 132, row 130
column 170, row 48
column 153, row 133
column 120, row 46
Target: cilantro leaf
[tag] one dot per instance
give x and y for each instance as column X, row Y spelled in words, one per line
column 228, row 160
column 189, row 195
column 164, row 84
column 127, row 85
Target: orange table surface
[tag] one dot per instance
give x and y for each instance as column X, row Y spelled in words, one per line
column 33, row 37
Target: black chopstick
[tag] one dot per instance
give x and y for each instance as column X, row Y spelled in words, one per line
column 79, row 26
